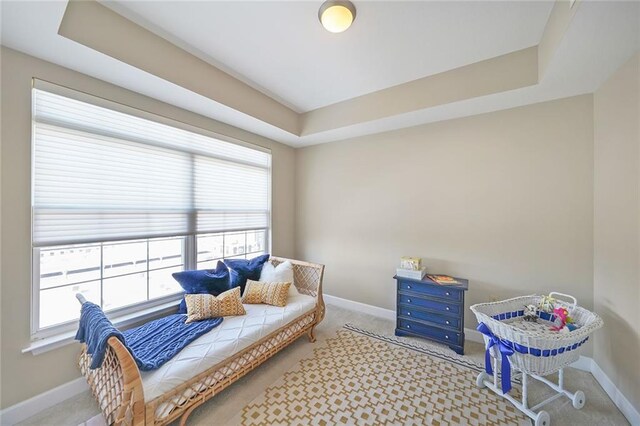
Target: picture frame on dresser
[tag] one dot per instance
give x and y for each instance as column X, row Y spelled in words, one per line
column 431, row 311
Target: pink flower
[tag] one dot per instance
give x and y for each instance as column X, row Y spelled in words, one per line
column 563, row 315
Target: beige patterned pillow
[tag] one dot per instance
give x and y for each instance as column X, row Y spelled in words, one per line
column 204, row 306
column 257, row 292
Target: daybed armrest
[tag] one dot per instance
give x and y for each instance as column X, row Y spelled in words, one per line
column 116, row 385
column 308, row 280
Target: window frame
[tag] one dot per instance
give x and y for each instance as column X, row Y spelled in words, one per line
column 234, row 256
column 149, row 307
column 65, row 327
column 190, row 248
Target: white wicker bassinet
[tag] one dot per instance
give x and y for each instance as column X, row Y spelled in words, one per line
column 532, row 349
column 563, row 348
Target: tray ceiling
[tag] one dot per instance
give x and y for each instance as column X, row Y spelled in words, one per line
column 281, row 48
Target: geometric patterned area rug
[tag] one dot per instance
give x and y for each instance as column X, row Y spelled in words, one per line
column 360, row 378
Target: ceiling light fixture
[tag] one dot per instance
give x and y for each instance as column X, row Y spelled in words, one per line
column 337, row 15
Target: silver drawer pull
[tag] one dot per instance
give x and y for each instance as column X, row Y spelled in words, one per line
column 446, row 336
column 447, row 294
column 409, row 313
column 447, row 308
column 408, row 287
column 408, row 300
column 408, row 326
column 447, row 322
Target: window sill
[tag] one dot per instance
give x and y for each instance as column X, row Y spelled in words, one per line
column 47, row 344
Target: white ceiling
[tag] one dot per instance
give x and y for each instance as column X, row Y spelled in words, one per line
column 281, row 49
column 601, row 37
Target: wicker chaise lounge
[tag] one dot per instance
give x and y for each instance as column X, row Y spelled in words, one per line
column 127, row 397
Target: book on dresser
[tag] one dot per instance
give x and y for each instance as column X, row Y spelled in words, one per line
column 431, row 310
column 443, row 279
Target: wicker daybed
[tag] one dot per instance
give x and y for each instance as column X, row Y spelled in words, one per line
column 118, row 385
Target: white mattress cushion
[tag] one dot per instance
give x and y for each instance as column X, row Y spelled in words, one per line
column 230, row 337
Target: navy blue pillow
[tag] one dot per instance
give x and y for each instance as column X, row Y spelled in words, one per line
column 241, row 270
column 211, row 281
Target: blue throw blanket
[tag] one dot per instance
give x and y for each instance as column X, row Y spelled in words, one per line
column 151, row 344
column 95, row 329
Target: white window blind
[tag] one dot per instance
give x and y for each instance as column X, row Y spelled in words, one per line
column 104, row 175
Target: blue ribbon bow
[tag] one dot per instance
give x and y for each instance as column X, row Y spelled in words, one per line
column 505, row 350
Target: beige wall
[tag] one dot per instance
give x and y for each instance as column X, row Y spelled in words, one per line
column 504, row 199
column 25, row 375
column 617, row 227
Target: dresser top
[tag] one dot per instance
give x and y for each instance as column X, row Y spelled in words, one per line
column 463, row 286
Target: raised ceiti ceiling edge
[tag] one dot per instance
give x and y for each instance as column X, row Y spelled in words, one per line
column 100, row 28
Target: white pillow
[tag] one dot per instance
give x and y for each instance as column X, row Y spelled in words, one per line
column 283, row 273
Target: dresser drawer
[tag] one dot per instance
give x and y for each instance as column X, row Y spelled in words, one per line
column 442, row 335
column 440, row 320
column 430, row 290
column 439, row 306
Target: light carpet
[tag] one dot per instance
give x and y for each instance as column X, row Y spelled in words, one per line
column 362, row 378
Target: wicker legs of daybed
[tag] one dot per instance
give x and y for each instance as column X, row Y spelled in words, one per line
column 311, row 335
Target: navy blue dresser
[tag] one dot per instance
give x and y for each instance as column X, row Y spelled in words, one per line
column 432, row 311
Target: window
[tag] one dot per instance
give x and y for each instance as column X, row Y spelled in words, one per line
column 120, row 202
column 116, row 274
column 229, row 245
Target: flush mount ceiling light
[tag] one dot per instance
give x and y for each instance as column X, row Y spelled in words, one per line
column 337, row 15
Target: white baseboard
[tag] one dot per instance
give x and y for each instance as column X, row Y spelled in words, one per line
column 616, row 396
column 360, row 307
column 584, row 363
column 473, row 335
column 32, row 406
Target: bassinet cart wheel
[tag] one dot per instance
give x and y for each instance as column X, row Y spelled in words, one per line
column 543, row 419
column 480, row 380
column 578, row 400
